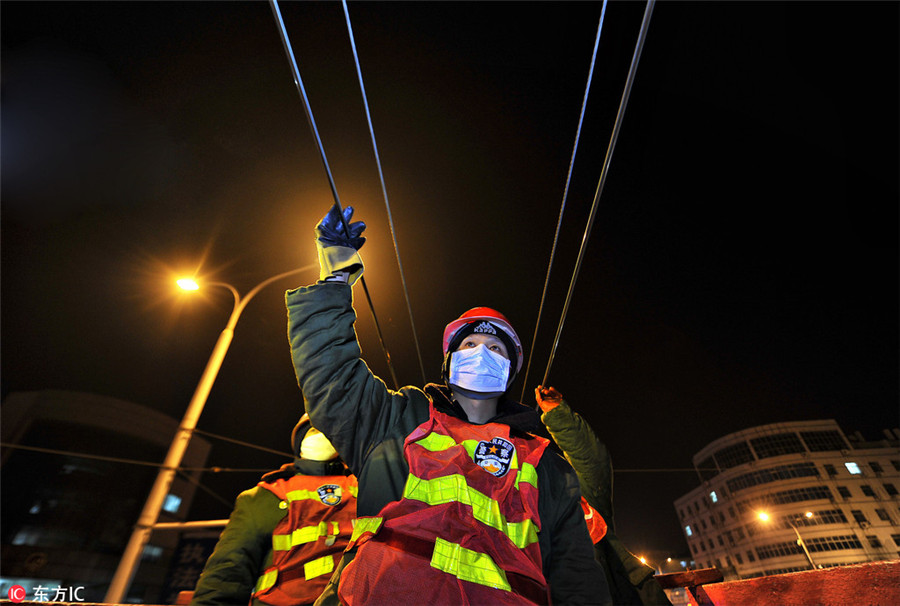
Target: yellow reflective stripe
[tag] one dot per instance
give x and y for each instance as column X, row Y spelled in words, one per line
column 306, row 534
column 468, row 565
column 266, row 580
column 299, row 495
column 453, row 488
column 354, row 490
column 436, row 441
column 318, row 567
column 363, row 525
column 527, row 474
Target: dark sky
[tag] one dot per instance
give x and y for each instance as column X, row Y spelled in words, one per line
column 742, row 269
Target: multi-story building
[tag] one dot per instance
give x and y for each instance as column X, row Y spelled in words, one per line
column 792, row 496
column 76, row 469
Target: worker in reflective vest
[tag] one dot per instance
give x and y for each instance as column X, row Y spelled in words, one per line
column 461, row 499
column 286, row 535
column 631, row 582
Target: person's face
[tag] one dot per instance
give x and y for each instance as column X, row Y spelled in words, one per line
column 490, row 341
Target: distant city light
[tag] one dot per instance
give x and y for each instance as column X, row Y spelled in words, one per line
column 762, row 515
column 187, row 284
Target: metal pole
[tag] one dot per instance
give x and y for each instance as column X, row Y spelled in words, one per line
column 150, row 514
column 802, row 544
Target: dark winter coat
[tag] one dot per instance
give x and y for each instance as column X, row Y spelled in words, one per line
column 630, row 580
column 367, row 424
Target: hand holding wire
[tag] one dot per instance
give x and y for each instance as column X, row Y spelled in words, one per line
column 547, row 397
column 330, row 230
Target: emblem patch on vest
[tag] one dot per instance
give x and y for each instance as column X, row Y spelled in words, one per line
column 330, row 494
column 495, row 456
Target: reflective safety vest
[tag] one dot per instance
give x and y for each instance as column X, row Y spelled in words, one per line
column 466, row 528
column 307, row 543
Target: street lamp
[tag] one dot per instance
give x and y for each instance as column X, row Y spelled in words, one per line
column 150, row 514
column 762, row 515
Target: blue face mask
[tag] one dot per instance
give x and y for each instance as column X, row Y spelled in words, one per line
column 479, row 370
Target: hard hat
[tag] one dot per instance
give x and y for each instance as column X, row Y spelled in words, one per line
column 454, row 331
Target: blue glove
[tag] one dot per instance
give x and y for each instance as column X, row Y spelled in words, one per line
column 339, row 260
column 330, row 230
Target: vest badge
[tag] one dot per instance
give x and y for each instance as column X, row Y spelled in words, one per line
column 330, row 494
column 495, row 456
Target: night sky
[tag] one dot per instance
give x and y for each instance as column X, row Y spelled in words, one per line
column 742, row 268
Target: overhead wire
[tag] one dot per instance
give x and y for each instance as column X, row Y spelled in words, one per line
column 228, row 469
column 298, row 81
column 387, row 205
column 623, row 103
column 587, row 90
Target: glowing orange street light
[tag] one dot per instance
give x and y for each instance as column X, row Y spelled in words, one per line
column 150, row 514
column 762, row 515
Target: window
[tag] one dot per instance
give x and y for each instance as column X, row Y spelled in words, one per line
column 714, row 497
column 819, row 441
column 873, row 541
column 751, row 558
column 830, row 470
column 883, row 515
column 739, row 559
column 777, row 445
column 172, row 503
column 773, row 474
column 810, row 493
column 731, row 511
column 734, row 455
column 896, row 464
column 876, row 467
column 703, row 524
column 721, row 542
column 738, row 534
column 890, row 489
column 688, row 531
column 896, row 539
column 710, row 543
column 721, row 517
column 853, row 468
column 859, row 516
column 867, row 490
column 844, row 491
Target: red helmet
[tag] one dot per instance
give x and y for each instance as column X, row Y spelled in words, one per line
column 494, row 317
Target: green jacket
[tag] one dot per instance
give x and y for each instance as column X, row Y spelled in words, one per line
column 244, row 549
column 630, row 580
column 367, row 424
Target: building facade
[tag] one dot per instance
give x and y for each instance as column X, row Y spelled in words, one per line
column 76, row 470
column 793, row 496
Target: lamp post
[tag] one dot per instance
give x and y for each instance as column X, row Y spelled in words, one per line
column 765, row 518
column 150, row 514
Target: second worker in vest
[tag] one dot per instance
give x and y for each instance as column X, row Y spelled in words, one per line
column 463, row 503
column 286, row 534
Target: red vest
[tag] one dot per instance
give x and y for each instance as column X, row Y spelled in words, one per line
column 307, row 543
column 465, row 530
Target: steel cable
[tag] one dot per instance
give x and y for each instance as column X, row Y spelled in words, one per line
column 362, row 89
column 623, row 103
column 587, row 90
column 298, row 81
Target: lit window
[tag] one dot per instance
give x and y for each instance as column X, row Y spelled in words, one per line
column 714, row 497
column 152, row 552
column 852, row 467
column 688, row 531
column 172, row 503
